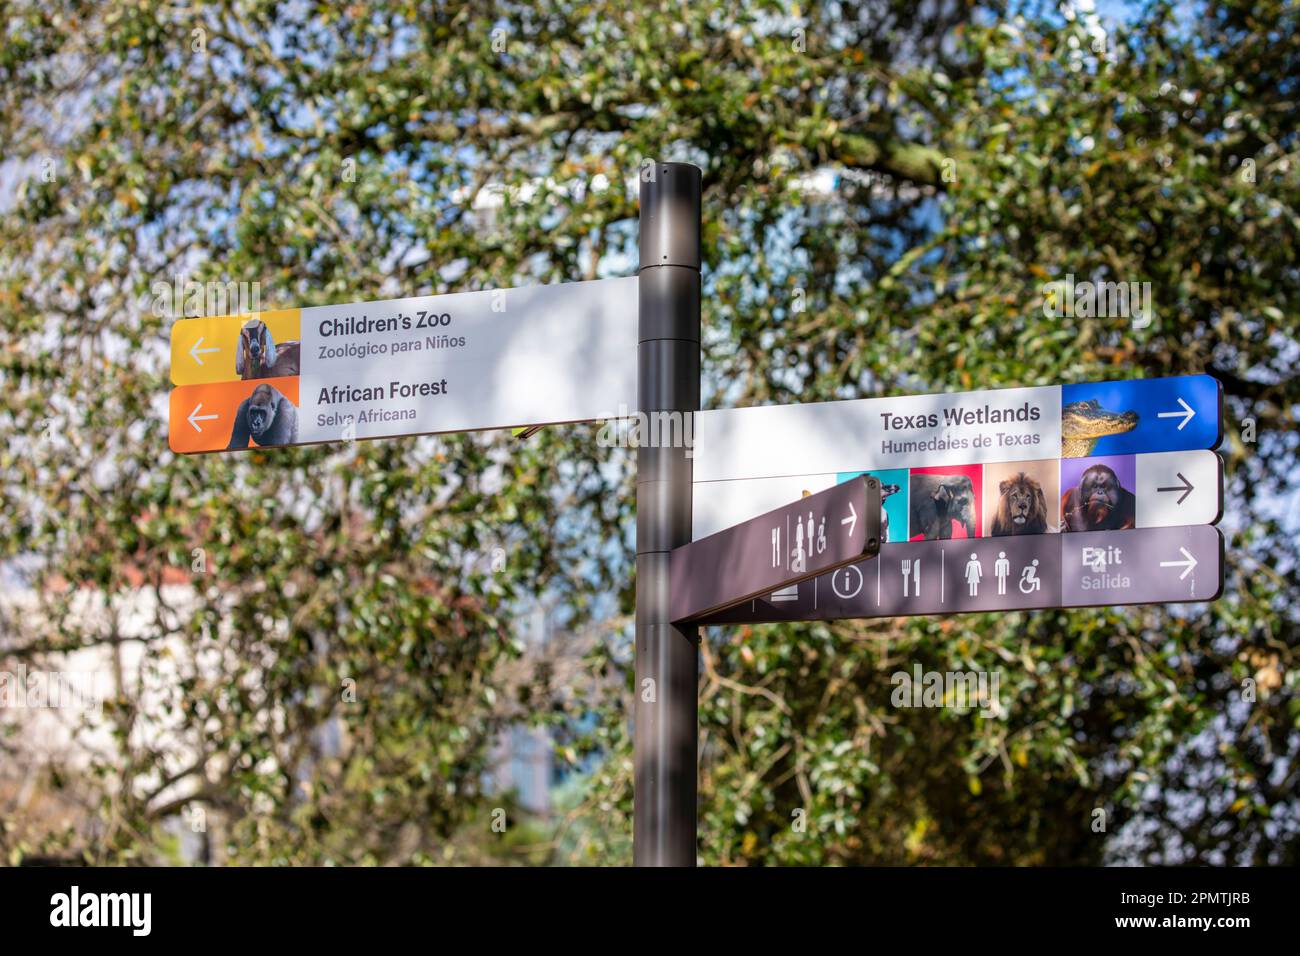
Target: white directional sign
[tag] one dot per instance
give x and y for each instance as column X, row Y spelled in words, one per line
column 960, row 428
column 1163, row 490
column 1179, row 487
column 474, row 360
column 719, row 504
column 524, row 356
column 911, row 431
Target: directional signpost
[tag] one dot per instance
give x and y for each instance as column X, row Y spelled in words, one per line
column 429, row 364
column 777, row 550
column 1010, row 499
column 1100, row 523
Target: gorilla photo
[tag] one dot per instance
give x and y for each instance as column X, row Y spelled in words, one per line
column 267, row 417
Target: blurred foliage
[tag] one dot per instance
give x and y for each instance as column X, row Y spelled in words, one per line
column 913, row 173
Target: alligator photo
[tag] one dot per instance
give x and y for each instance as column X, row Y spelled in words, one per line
column 1082, row 423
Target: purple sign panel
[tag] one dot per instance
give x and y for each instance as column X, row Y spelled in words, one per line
column 1153, row 565
column 777, row 549
column 1139, row 566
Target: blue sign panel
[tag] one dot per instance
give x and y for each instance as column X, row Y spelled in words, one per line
column 1141, row 415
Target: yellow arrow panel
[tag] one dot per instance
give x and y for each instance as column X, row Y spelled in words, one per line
column 204, row 350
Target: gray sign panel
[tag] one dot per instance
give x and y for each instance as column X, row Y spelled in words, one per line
column 777, row 549
column 1020, row 572
column 1155, row 565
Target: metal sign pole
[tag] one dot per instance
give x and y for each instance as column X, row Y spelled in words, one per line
column 668, row 381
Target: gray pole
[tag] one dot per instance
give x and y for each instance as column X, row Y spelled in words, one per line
column 668, row 379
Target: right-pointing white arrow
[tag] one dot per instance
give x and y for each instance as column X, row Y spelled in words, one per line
column 194, row 417
column 1185, row 565
column 852, row 519
column 1187, row 414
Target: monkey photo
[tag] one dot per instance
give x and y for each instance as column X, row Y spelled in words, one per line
column 1099, row 503
column 259, row 357
column 267, row 417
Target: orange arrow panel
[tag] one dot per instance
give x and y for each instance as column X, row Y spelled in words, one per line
column 202, row 416
column 203, row 350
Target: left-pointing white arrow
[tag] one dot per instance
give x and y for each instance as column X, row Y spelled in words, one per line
column 1187, row 414
column 852, row 519
column 1185, row 565
column 195, row 351
column 195, row 417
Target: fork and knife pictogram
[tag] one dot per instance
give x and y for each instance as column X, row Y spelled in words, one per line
column 912, row 567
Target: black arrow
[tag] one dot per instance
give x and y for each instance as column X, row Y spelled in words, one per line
column 1185, row 488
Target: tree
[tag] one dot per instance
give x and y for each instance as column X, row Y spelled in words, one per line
column 887, row 188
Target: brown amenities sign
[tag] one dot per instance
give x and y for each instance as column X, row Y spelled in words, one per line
column 1013, row 573
column 777, row 550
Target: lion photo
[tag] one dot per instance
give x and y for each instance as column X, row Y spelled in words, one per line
column 1017, row 496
